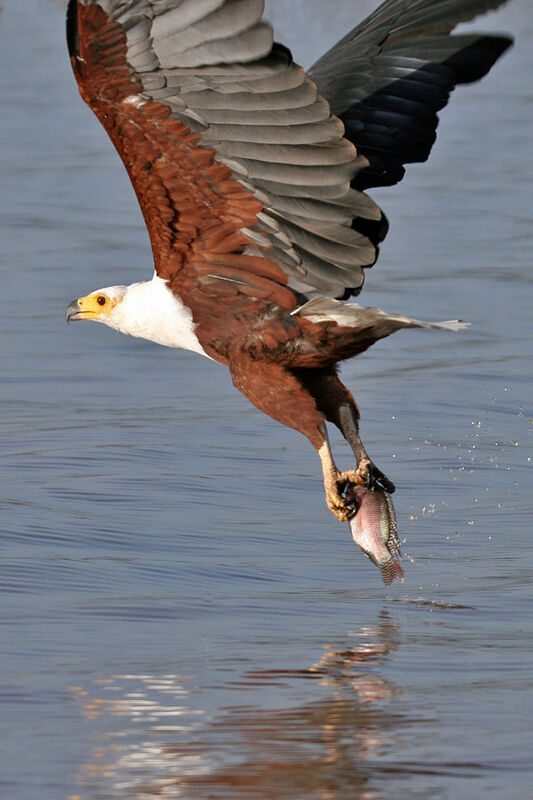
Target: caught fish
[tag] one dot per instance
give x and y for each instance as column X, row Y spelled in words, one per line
column 374, row 531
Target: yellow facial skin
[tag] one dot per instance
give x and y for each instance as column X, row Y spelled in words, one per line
column 97, row 305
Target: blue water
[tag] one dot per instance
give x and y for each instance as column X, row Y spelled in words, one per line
column 181, row 616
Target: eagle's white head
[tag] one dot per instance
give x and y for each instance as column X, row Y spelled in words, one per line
column 149, row 310
column 103, row 305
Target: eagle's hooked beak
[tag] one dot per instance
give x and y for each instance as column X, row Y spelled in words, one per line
column 93, row 306
column 74, row 311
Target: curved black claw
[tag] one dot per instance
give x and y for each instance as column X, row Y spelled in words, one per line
column 351, row 506
column 350, row 502
column 375, row 479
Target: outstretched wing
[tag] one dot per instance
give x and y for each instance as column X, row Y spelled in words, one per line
column 388, row 78
column 250, row 187
column 242, row 174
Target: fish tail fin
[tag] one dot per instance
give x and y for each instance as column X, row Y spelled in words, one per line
column 391, row 571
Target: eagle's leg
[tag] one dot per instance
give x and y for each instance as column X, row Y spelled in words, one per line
column 281, row 394
column 366, row 473
column 334, row 481
column 339, row 407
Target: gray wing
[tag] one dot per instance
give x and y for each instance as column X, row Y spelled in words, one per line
column 388, row 78
column 215, row 65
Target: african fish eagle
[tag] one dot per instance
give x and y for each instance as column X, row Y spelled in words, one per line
column 251, row 176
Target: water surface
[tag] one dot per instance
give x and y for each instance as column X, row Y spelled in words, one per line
column 181, row 616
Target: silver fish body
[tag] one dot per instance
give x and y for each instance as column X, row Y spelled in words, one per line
column 374, row 530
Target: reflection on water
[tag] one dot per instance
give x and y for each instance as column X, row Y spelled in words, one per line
column 151, row 740
column 139, row 714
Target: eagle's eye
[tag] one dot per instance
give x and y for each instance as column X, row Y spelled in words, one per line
column 101, row 300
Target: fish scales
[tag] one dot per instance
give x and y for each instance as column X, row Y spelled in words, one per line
column 374, row 530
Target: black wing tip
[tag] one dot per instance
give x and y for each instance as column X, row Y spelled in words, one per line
column 473, row 62
column 73, row 40
column 277, row 47
column 408, row 141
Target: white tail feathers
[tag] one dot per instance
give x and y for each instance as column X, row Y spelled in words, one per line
column 324, row 309
column 454, row 325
